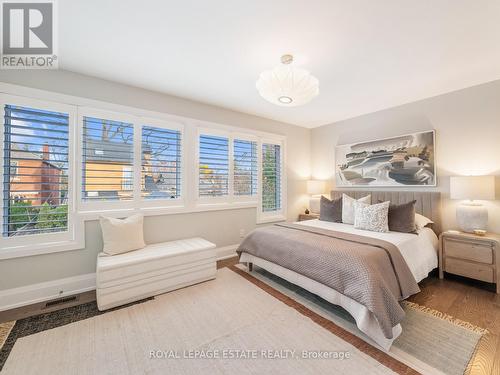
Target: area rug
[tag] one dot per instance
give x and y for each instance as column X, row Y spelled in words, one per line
column 10, row 332
column 225, row 326
column 431, row 342
column 5, row 329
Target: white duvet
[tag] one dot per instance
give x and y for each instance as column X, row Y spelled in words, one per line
column 419, row 251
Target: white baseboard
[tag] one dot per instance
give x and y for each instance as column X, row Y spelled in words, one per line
column 49, row 290
column 226, row 252
column 46, row 291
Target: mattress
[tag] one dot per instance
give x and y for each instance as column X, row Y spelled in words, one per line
column 419, row 250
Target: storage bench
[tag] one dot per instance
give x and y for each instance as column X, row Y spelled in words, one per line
column 155, row 269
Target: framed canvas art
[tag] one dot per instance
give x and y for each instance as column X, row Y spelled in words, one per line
column 407, row 160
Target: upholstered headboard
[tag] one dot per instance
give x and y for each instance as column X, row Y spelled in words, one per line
column 428, row 202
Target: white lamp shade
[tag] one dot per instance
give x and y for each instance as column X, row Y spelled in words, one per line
column 287, row 86
column 472, row 187
column 315, row 187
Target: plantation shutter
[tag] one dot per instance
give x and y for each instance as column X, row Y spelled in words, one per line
column 108, row 155
column 245, row 168
column 161, row 163
column 213, row 166
column 35, row 180
column 271, row 177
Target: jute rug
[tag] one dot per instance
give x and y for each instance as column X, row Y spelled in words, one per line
column 238, row 323
column 431, row 342
column 225, row 326
column 5, row 329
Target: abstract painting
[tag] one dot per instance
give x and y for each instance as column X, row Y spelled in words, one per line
column 407, row 160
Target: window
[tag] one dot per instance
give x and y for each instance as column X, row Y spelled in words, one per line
column 127, row 178
column 120, row 163
column 13, row 168
column 107, row 160
column 213, row 167
column 271, row 177
column 36, row 165
column 161, row 163
column 245, row 174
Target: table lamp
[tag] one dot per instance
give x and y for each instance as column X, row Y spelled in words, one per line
column 315, row 188
column 472, row 215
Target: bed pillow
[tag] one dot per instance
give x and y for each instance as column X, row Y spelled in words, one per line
column 348, row 207
column 402, row 217
column 330, row 210
column 122, row 235
column 422, row 221
column 373, row 217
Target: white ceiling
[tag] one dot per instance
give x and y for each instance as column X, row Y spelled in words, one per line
column 368, row 55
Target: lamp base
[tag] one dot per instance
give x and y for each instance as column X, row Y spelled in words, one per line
column 471, row 217
column 314, row 204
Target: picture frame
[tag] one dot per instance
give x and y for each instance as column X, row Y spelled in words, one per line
column 401, row 161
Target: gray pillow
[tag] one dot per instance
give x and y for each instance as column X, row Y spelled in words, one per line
column 330, row 210
column 402, row 217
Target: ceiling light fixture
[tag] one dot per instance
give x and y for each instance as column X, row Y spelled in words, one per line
column 286, row 85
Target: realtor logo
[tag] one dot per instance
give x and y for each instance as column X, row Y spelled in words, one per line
column 28, row 35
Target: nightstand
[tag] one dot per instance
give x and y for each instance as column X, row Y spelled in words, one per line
column 304, row 217
column 469, row 255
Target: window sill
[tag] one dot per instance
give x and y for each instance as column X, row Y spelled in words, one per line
column 169, row 210
column 79, row 243
column 200, row 207
column 41, row 248
column 218, row 206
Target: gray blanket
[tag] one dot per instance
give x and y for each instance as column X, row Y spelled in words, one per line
column 370, row 271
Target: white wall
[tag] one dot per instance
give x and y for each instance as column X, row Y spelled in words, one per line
column 467, row 124
column 220, row 227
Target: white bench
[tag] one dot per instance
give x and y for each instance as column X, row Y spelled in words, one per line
column 156, row 269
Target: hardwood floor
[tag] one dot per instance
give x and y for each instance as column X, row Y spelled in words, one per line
column 462, row 298
column 227, row 262
column 473, row 302
column 41, row 307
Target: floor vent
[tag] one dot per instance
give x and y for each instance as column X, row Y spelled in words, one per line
column 60, row 301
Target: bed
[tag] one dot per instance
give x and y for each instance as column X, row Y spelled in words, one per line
column 373, row 300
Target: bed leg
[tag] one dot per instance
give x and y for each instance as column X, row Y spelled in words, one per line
column 250, row 266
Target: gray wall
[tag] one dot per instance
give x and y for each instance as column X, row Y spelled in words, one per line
column 220, row 227
column 467, row 124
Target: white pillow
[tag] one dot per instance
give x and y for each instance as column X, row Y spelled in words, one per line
column 374, row 218
column 122, row 235
column 422, row 221
column 348, row 207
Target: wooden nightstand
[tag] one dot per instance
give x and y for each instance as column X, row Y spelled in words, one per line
column 477, row 257
column 303, row 217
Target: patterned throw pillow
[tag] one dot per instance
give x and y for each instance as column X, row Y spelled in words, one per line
column 348, row 207
column 374, row 218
